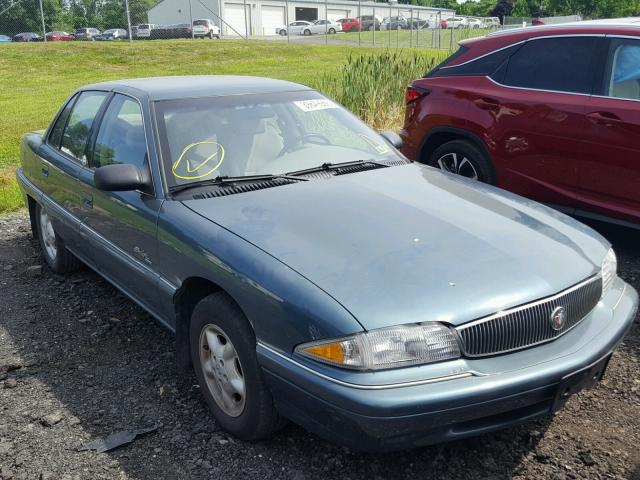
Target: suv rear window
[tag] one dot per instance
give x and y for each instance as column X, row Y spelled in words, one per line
column 559, row 64
column 485, row 65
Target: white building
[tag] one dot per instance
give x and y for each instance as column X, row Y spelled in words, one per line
column 263, row 16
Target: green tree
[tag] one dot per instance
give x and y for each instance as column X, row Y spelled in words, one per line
column 520, row 9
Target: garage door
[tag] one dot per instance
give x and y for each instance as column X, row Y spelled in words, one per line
column 336, row 14
column 272, row 17
column 234, row 18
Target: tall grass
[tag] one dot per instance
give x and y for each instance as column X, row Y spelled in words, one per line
column 372, row 85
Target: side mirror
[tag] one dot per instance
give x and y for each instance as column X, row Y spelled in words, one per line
column 121, row 177
column 392, row 138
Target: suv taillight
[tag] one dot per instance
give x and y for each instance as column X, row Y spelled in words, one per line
column 414, row 93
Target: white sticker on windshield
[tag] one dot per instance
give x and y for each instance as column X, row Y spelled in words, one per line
column 315, row 104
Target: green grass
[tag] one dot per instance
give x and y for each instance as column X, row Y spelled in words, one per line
column 36, row 78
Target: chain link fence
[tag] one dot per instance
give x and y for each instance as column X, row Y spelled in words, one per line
column 335, row 22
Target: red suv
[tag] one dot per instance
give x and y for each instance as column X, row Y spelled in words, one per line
column 350, row 24
column 548, row 112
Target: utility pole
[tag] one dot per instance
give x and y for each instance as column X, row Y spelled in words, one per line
column 126, row 6
column 44, row 29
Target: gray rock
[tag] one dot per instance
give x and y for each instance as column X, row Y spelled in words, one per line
column 51, row 419
column 10, row 383
column 34, row 271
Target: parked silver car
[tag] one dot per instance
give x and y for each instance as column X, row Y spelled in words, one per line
column 294, row 28
column 322, row 27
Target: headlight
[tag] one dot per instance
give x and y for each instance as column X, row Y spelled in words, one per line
column 385, row 348
column 609, row 270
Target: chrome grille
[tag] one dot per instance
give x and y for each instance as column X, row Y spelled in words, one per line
column 529, row 324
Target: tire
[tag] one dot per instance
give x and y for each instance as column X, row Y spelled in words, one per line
column 469, row 158
column 332, row 31
column 217, row 317
column 55, row 254
column 210, row 35
column 307, row 32
column 283, row 32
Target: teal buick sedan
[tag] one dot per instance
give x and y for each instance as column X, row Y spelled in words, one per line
column 310, row 272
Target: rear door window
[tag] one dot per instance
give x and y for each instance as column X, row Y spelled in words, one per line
column 622, row 79
column 55, row 136
column 562, row 64
column 78, row 129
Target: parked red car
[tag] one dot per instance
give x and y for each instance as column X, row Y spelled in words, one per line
column 59, row 36
column 550, row 112
column 350, row 24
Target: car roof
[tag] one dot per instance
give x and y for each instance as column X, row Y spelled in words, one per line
column 482, row 45
column 169, row 88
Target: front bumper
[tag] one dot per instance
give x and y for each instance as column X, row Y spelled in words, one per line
column 366, row 412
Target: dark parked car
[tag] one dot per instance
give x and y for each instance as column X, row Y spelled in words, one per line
column 112, row 34
column 27, row 37
column 182, row 30
column 310, row 271
column 369, row 22
column 551, row 113
column 86, row 34
column 394, row 23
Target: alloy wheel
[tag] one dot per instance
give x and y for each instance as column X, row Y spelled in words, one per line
column 458, row 164
column 48, row 235
column 222, row 370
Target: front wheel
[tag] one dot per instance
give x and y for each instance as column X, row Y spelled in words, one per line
column 223, row 351
column 59, row 259
column 283, row 32
column 307, row 32
column 465, row 159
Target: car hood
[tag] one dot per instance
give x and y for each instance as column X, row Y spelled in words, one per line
column 412, row 244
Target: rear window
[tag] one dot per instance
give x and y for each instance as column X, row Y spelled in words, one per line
column 201, row 23
column 143, row 27
column 556, row 64
column 484, row 65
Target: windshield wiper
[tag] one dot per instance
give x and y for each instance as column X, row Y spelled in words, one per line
column 326, row 167
column 225, row 180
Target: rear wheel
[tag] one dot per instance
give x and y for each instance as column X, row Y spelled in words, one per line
column 307, row 32
column 59, row 259
column 223, row 351
column 465, row 159
column 332, row 31
column 283, row 32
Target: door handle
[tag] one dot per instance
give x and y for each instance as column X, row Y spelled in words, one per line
column 607, row 119
column 487, row 104
column 45, row 170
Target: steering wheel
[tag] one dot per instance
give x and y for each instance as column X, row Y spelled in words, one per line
column 308, row 138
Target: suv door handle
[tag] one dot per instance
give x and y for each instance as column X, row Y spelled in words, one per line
column 45, row 170
column 607, row 119
column 487, row 104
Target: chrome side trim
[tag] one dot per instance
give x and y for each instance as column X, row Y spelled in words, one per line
column 367, row 386
column 537, row 89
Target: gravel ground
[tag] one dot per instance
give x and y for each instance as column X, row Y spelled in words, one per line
column 79, row 361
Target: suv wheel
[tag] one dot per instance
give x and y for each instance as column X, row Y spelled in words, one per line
column 223, row 351
column 332, row 31
column 465, row 159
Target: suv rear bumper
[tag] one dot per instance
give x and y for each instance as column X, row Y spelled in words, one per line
column 397, row 417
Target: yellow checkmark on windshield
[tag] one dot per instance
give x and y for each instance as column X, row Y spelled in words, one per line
column 189, row 169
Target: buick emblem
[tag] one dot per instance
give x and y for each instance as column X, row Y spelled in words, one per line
column 558, row 318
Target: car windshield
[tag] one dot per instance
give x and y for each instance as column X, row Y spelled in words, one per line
column 266, row 134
